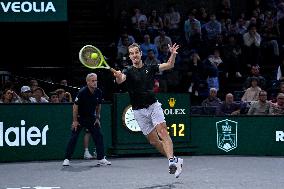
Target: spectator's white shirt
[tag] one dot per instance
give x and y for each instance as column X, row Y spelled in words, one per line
column 279, row 73
column 250, row 39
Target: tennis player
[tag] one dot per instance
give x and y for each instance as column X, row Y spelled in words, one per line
column 148, row 113
column 86, row 113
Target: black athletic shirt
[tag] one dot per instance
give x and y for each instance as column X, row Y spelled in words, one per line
column 140, row 84
column 87, row 102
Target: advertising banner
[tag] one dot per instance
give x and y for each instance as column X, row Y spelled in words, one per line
column 33, row 11
column 41, row 131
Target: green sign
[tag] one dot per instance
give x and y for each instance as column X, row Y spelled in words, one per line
column 41, row 131
column 238, row 135
column 33, row 11
column 129, row 139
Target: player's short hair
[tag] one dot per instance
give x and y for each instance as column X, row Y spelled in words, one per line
column 90, row 75
column 133, row 45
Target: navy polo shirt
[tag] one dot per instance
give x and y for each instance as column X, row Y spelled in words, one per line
column 87, row 102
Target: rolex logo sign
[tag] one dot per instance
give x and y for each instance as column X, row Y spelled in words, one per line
column 227, row 134
column 172, row 110
column 172, row 102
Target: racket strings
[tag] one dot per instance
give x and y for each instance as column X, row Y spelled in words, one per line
column 86, row 55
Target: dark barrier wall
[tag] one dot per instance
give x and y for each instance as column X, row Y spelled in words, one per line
column 250, row 135
column 128, row 140
column 41, row 131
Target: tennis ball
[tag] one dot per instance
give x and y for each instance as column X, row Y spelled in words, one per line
column 94, row 56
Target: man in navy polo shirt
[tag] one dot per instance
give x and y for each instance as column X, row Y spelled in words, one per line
column 86, row 113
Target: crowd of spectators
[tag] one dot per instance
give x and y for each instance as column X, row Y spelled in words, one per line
column 31, row 92
column 218, row 50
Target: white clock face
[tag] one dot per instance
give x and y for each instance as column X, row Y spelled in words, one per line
column 129, row 120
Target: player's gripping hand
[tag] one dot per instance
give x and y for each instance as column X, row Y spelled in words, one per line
column 120, row 77
column 117, row 74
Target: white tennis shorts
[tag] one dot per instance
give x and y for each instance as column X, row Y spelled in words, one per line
column 149, row 118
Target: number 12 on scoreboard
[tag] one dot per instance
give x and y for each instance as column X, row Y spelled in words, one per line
column 177, row 130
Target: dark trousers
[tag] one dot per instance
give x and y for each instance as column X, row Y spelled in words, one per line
column 96, row 134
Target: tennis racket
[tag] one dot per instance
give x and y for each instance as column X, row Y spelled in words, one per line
column 91, row 57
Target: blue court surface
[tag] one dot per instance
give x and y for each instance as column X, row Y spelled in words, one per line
column 199, row 172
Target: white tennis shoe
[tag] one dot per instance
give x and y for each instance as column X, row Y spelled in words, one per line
column 87, row 155
column 172, row 166
column 179, row 165
column 103, row 162
column 66, row 162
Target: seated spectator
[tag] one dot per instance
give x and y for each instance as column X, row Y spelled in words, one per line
column 232, row 57
column 148, row 45
column 280, row 71
column 138, row 17
column 276, row 91
column 251, row 93
column 252, row 41
column 260, row 107
column 278, row 107
column 255, row 72
column 68, row 96
column 9, row 96
column 53, row 97
column 212, row 29
column 122, row 51
column 162, row 39
column 155, row 23
column 212, row 99
column 140, row 32
column 229, row 107
column 39, row 95
column 124, row 34
column 270, row 35
column 171, row 19
column 241, row 27
column 151, row 59
column 62, row 95
column 26, row 95
column 202, row 16
column 64, row 82
column 33, row 84
column 211, row 69
column 192, row 31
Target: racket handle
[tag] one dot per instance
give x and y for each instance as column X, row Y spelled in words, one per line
column 112, row 70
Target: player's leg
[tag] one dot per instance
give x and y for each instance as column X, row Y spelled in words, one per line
column 154, row 140
column 166, row 140
column 158, row 119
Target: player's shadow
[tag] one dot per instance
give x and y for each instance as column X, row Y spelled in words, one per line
column 78, row 166
column 164, row 186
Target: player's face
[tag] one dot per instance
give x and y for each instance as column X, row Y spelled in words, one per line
column 92, row 82
column 135, row 55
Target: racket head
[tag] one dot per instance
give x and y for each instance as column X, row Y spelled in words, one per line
column 85, row 57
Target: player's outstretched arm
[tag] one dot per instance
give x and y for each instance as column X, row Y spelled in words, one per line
column 119, row 77
column 171, row 62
